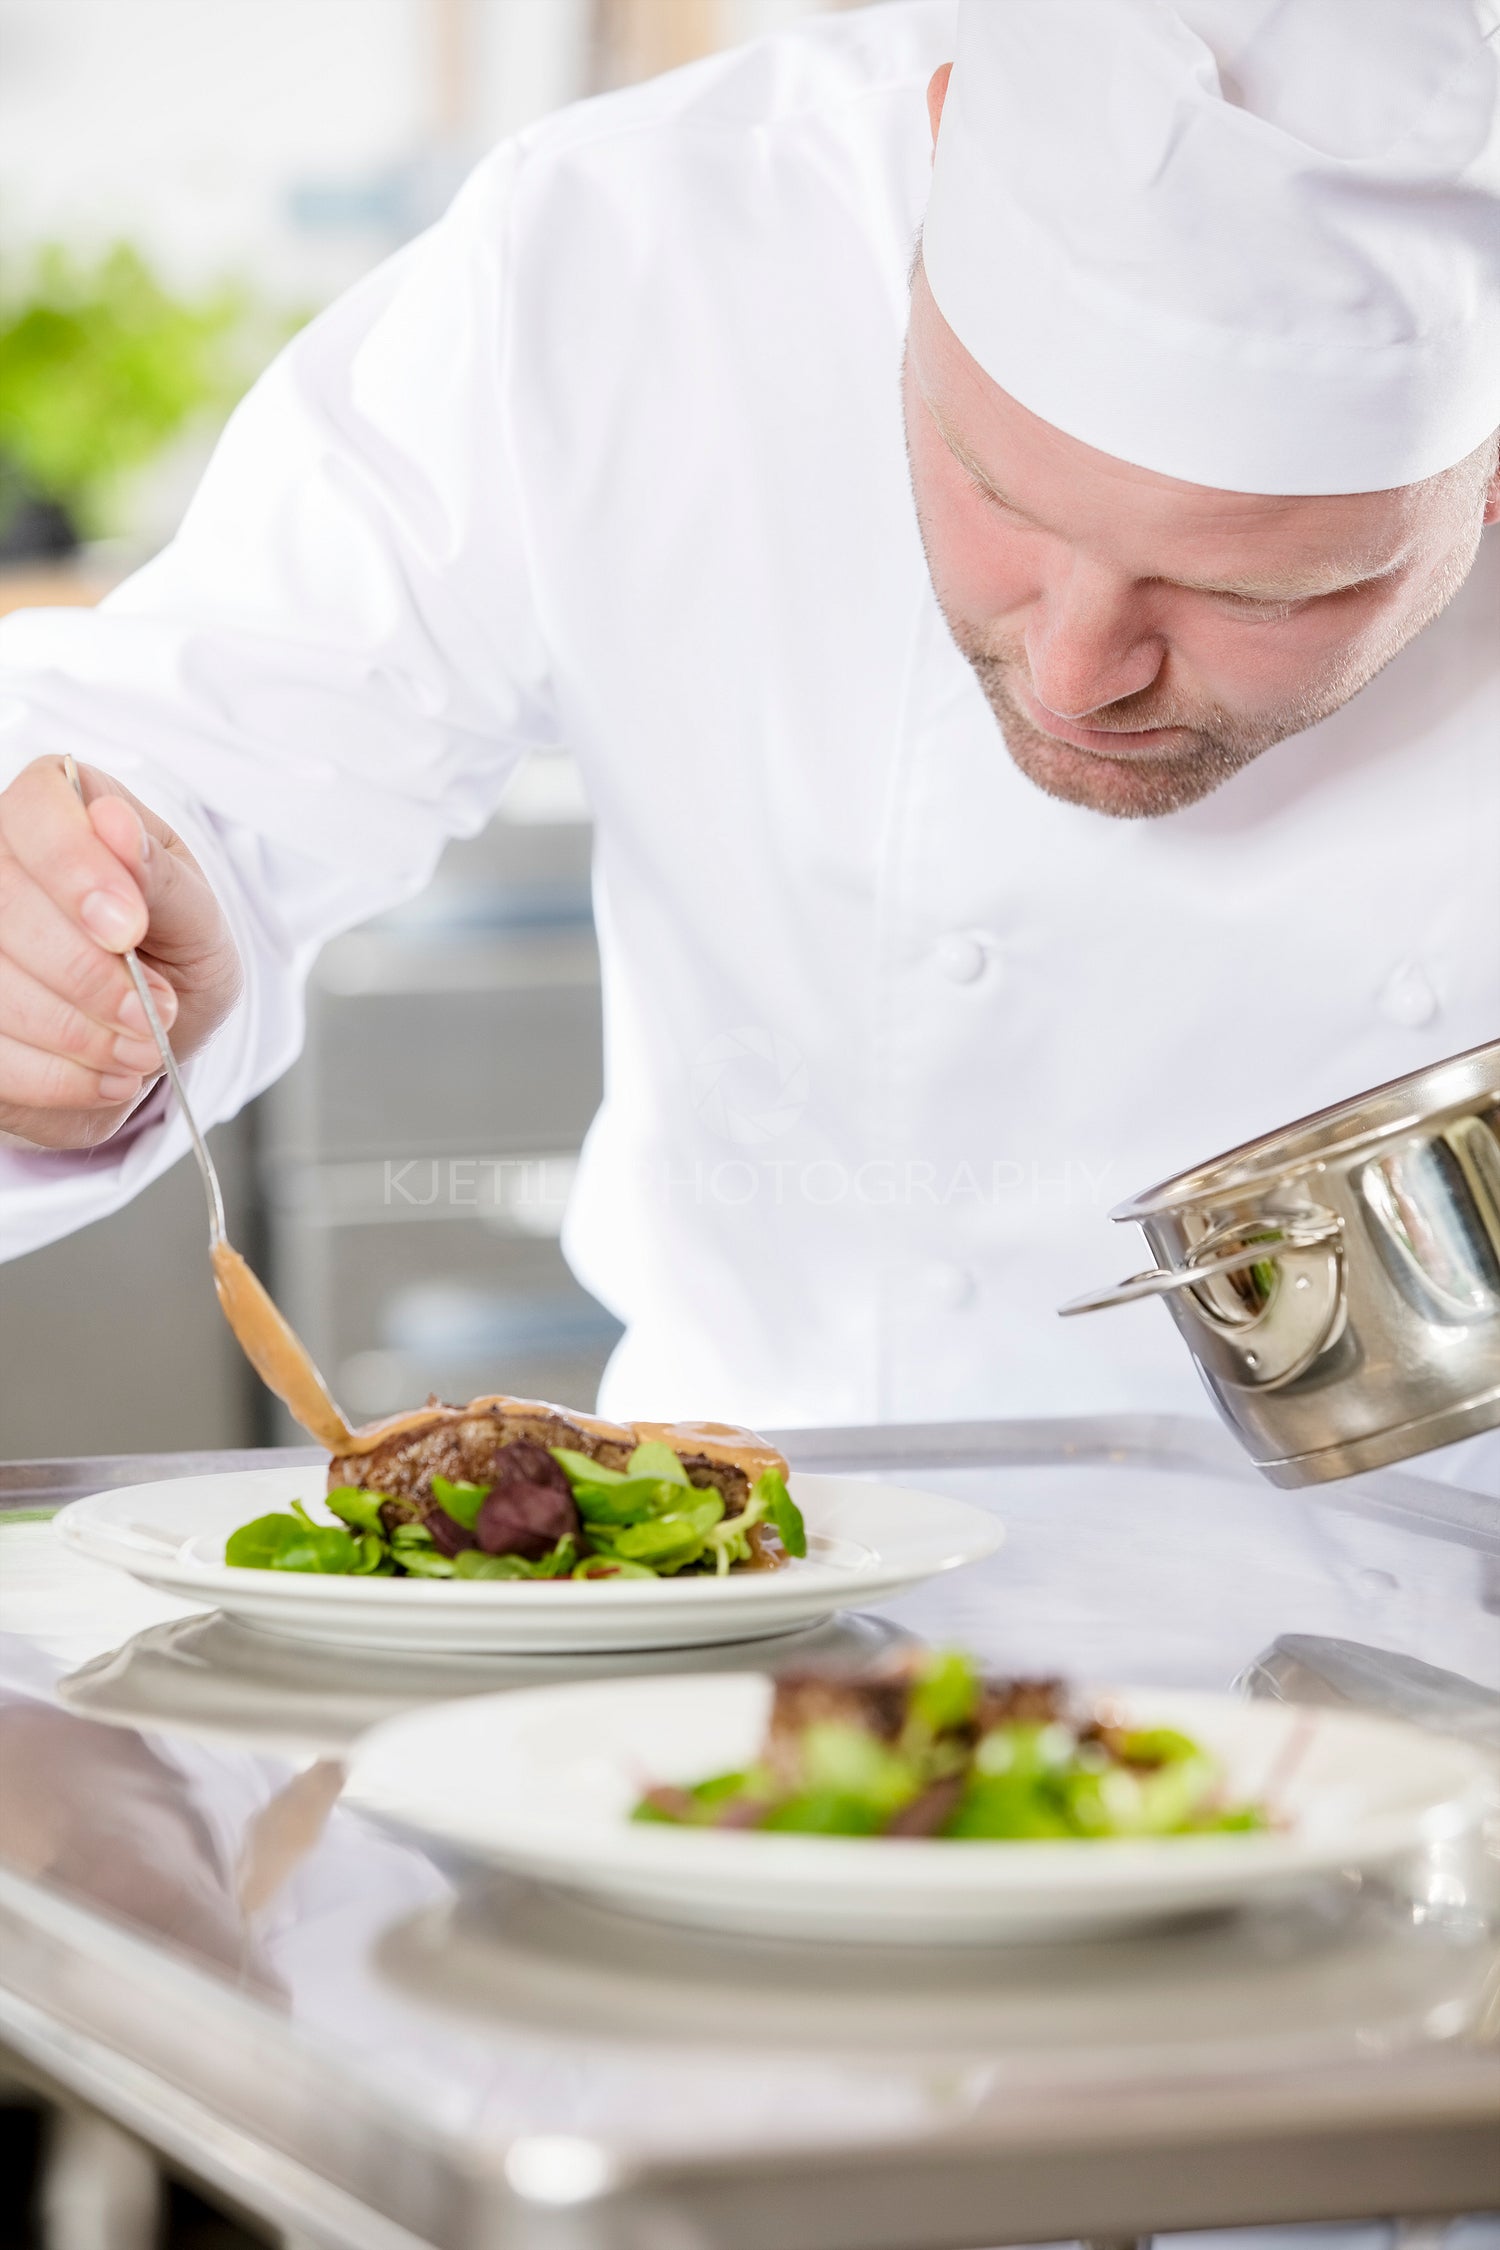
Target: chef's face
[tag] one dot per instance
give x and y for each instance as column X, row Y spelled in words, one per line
column 1140, row 639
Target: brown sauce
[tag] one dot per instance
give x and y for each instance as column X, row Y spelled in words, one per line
column 716, row 1441
column 274, row 1349
column 372, row 1435
column 284, row 1365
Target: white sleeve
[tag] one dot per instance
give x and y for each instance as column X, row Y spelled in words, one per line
column 331, row 670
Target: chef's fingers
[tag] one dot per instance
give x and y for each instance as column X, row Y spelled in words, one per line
column 59, row 859
column 45, row 828
column 36, row 1016
column 31, row 1080
column 184, row 926
column 40, row 938
column 187, row 937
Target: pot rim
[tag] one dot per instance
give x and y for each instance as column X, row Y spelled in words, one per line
column 1421, row 1098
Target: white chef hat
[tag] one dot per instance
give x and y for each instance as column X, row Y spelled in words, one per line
column 1251, row 243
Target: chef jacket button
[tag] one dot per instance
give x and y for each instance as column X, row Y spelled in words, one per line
column 1407, row 997
column 962, row 957
column 947, row 1286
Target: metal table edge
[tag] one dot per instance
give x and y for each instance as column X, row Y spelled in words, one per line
column 1400, row 2116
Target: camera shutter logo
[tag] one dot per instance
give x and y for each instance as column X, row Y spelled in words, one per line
column 749, row 1085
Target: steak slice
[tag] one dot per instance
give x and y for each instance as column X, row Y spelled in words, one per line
column 465, row 1444
column 876, row 1703
column 1008, row 1703
column 879, row 1704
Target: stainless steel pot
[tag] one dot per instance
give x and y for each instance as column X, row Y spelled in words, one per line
column 1338, row 1282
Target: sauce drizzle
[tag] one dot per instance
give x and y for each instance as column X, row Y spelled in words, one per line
column 275, row 1350
column 721, row 1442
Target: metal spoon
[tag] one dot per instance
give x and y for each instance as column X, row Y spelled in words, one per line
column 267, row 1339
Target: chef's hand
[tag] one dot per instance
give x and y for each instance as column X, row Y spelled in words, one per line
column 77, row 886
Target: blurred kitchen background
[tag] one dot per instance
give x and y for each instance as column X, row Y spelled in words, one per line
column 182, row 182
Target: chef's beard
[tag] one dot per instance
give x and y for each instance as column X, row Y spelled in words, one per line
column 1135, row 785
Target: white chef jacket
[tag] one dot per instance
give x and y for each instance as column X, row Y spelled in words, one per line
column 613, row 458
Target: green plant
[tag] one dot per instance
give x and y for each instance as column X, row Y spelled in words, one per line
column 101, row 367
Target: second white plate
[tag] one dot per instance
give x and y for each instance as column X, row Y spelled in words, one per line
column 865, row 1541
column 542, row 1784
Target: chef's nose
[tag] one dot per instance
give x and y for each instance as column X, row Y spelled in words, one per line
column 1088, row 645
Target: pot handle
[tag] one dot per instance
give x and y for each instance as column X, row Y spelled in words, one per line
column 1163, row 1279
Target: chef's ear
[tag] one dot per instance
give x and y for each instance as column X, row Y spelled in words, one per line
column 937, row 94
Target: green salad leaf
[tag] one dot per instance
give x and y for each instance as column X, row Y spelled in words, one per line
column 947, row 1694
column 358, row 1508
column 255, row 1546
column 650, row 1515
column 612, row 1566
column 667, row 1542
column 579, row 1469
column 425, row 1562
column 1156, row 1746
column 697, row 1806
column 473, row 1563
column 632, row 1500
column 375, row 1557
column 770, row 1491
column 838, row 1760
column 646, row 1520
column 656, row 1459
column 824, row 1812
column 728, row 1542
column 832, row 1767
column 999, row 1808
column 412, row 1534
column 291, row 1542
column 460, row 1501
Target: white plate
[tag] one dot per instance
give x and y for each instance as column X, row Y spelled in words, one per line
column 542, row 1784
column 865, row 1541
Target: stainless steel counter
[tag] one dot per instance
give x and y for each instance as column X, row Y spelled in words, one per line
column 371, row 2044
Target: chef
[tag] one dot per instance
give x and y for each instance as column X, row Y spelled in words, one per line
column 1040, row 697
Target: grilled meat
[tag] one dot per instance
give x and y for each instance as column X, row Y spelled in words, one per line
column 464, row 1444
column 1009, row 1703
column 879, row 1703
column 503, row 1444
column 875, row 1702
